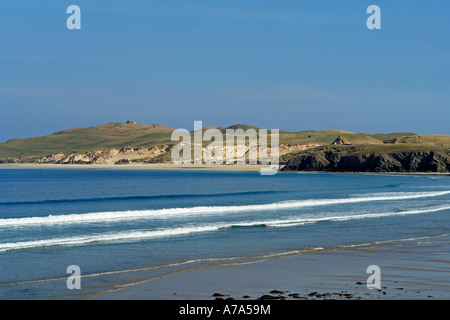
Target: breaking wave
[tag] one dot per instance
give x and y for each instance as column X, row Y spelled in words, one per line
column 114, row 216
column 196, row 229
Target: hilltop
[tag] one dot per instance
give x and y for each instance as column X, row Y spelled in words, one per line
column 331, row 150
column 104, row 136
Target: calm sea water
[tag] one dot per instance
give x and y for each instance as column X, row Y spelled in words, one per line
column 122, row 226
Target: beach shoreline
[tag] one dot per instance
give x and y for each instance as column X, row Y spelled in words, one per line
column 198, row 167
column 410, row 270
column 137, row 166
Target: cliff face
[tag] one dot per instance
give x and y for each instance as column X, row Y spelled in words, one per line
column 140, row 154
column 341, row 161
column 100, row 156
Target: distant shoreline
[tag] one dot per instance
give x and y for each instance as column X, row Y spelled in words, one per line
column 136, row 166
column 200, row 167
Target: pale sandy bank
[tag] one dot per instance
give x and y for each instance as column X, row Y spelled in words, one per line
column 137, row 166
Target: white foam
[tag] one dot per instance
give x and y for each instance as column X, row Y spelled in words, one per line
column 303, row 221
column 206, row 210
column 108, row 237
column 143, row 235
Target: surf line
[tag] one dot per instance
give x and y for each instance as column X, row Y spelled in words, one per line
column 161, row 233
column 203, row 210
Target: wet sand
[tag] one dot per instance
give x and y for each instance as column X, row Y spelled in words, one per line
column 409, row 270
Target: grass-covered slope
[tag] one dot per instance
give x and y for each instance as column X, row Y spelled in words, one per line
column 109, row 135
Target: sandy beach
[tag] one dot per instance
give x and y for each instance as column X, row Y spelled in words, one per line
column 171, row 166
column 417, row 269
column 137, row 166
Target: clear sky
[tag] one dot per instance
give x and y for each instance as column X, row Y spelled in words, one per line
column 293, row 65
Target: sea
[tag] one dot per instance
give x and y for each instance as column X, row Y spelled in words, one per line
column 101, row 229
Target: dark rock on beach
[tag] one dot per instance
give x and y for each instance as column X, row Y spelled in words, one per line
column 216, row 295
column 269, row 297
column 276, row 292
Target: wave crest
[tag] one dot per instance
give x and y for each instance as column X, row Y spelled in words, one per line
column 172, row 232
column 115, row 216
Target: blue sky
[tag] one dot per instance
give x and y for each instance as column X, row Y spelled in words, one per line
column 292, row 65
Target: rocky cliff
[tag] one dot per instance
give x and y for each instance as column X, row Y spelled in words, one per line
column 343, row 160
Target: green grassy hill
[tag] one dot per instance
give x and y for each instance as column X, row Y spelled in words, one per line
column 109, row 135
column 120, row 135
column 434, row 139
column 329, row 136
